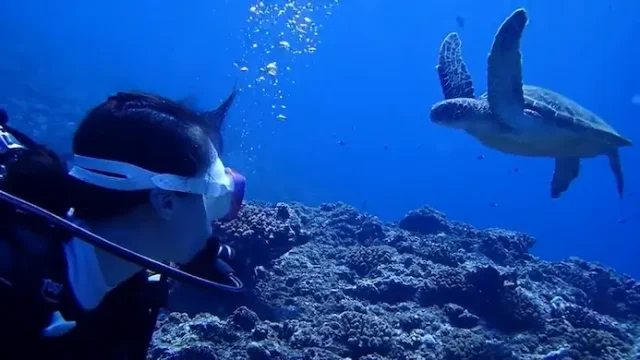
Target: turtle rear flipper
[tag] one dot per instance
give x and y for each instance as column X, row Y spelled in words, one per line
column 504, row 80
column 455, row 79
column 567, row 170
column 616, row 167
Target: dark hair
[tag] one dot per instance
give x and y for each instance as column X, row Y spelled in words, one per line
column 145, row 130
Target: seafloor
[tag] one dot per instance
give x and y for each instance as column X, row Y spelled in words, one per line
column 333, row 283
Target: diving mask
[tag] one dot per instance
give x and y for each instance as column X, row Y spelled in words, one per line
column 222, row 188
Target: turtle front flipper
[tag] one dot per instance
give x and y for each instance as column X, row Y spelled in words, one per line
column 504, row 79
column 455, row 79
column 567, row 170
column 616, row 167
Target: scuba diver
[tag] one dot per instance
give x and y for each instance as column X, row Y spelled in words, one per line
column 86, row 247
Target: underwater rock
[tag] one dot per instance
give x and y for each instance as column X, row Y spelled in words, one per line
column 331, row 283
column 263, row 233
column 425, row 221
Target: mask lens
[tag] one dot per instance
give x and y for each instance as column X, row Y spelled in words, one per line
column 237, row 196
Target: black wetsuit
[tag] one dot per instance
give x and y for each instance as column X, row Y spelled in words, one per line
column 34, row 285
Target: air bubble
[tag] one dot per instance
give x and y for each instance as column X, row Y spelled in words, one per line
column 290, row 25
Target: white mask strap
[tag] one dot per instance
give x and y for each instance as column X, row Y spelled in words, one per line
column 119, row 175
column 116, row 175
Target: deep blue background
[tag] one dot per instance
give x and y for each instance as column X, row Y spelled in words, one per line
column 369, row 85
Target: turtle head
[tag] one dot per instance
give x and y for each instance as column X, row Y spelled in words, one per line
column 461, row 113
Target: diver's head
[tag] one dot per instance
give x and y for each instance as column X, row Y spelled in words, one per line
column 147, row 165
column 460, row 113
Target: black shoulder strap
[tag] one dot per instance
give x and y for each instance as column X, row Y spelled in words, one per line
column 30, row 282
column 156, row 295
column 137, row 303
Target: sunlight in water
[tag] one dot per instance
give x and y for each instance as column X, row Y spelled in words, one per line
column 277, row 35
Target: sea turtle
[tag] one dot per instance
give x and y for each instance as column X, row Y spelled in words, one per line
column 522, row 119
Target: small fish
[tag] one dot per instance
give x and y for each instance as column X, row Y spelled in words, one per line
column 460, row 21
column 340, row 142
column 480, row 157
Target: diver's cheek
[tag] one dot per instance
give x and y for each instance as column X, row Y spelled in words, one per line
column 194, row 231
column 194, row 245
column 217, row 207
column 200, row 238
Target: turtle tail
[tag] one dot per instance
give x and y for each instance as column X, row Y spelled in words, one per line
column 616, row 167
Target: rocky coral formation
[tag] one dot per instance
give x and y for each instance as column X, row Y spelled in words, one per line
column 332, row 283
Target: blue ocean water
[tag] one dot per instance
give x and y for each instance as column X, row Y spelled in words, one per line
column 336, row 95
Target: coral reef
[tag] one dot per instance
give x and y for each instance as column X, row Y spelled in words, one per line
column 332, row 283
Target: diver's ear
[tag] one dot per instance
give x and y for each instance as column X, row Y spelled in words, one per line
column 163, row 203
